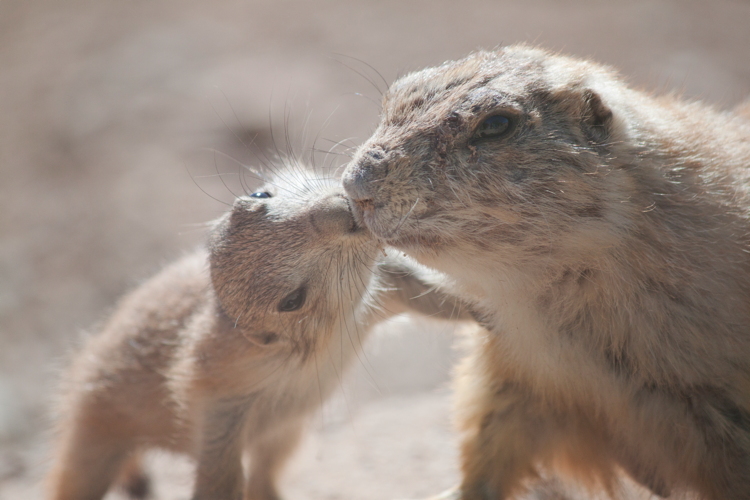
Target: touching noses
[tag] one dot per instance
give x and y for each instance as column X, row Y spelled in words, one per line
column 361, row 176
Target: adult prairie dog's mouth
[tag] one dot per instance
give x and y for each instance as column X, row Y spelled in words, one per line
column 367, row 215
column 365, row 204
column 358, row 224
column 361, row 207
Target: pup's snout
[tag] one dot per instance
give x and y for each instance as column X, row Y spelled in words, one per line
column 361, row 176
column 333, row 216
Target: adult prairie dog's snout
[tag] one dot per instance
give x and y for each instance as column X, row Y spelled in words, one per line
column 371, row 165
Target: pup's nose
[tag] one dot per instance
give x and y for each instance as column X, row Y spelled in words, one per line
column 359, row 178
column 332, row 216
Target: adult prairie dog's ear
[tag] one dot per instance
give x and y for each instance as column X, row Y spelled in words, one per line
column 586, row 107
column 596, row 117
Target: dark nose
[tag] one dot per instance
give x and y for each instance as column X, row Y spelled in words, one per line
column 360, row 177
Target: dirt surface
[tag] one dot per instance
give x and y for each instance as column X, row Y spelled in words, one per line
column 111, row 116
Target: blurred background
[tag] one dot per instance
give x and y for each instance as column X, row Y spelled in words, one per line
column 116, row 116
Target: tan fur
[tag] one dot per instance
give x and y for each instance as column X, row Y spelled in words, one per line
column 201, row 360
column 743, row 109
column 604, row 242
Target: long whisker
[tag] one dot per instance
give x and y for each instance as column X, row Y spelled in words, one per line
column 403, row 219
column 204, row 191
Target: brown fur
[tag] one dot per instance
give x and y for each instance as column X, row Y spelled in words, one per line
column 200, row 359
column 604, row 241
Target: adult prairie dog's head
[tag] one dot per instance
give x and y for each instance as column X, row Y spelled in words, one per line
column 508, row 150
column 289, row 261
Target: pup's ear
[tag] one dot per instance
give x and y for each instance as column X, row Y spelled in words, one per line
column 596, row 117
column 262, row 338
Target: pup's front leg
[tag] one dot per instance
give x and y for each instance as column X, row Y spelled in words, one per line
column 268, row 454
column 219, row 474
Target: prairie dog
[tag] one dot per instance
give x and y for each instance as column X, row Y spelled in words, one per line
column 602, row 235
column 229, row 349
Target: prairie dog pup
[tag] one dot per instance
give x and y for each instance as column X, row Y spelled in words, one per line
column 603, row 237
column 228, row 350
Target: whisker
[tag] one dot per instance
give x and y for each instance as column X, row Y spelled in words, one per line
column 369, row 80
column 204, row 191
column 403, row 219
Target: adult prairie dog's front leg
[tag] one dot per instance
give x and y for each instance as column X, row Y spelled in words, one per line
column 502, row 438
column 511, row 434
column 410, row 287
column 504, row 430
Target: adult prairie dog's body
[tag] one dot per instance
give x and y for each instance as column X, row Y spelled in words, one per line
column 227, row 351
column 603, row 237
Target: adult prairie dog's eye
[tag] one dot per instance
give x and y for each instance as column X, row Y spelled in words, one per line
column 294, row 300
column 261, row 194
column 492, row 127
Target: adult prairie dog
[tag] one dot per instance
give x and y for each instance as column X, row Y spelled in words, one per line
column 602, row 235
column 229, row 350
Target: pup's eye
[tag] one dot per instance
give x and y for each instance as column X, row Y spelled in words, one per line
column 294, row 300
column 261, row 194
column 493, row 127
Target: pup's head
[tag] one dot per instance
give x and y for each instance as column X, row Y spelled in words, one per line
column 288, row 261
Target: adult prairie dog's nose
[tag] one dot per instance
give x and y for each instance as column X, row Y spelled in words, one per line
column 362, row 174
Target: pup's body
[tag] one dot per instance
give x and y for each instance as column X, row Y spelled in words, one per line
column 227, row 351
column 603, row 237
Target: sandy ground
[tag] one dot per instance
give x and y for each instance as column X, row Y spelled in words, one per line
column 110, row 116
